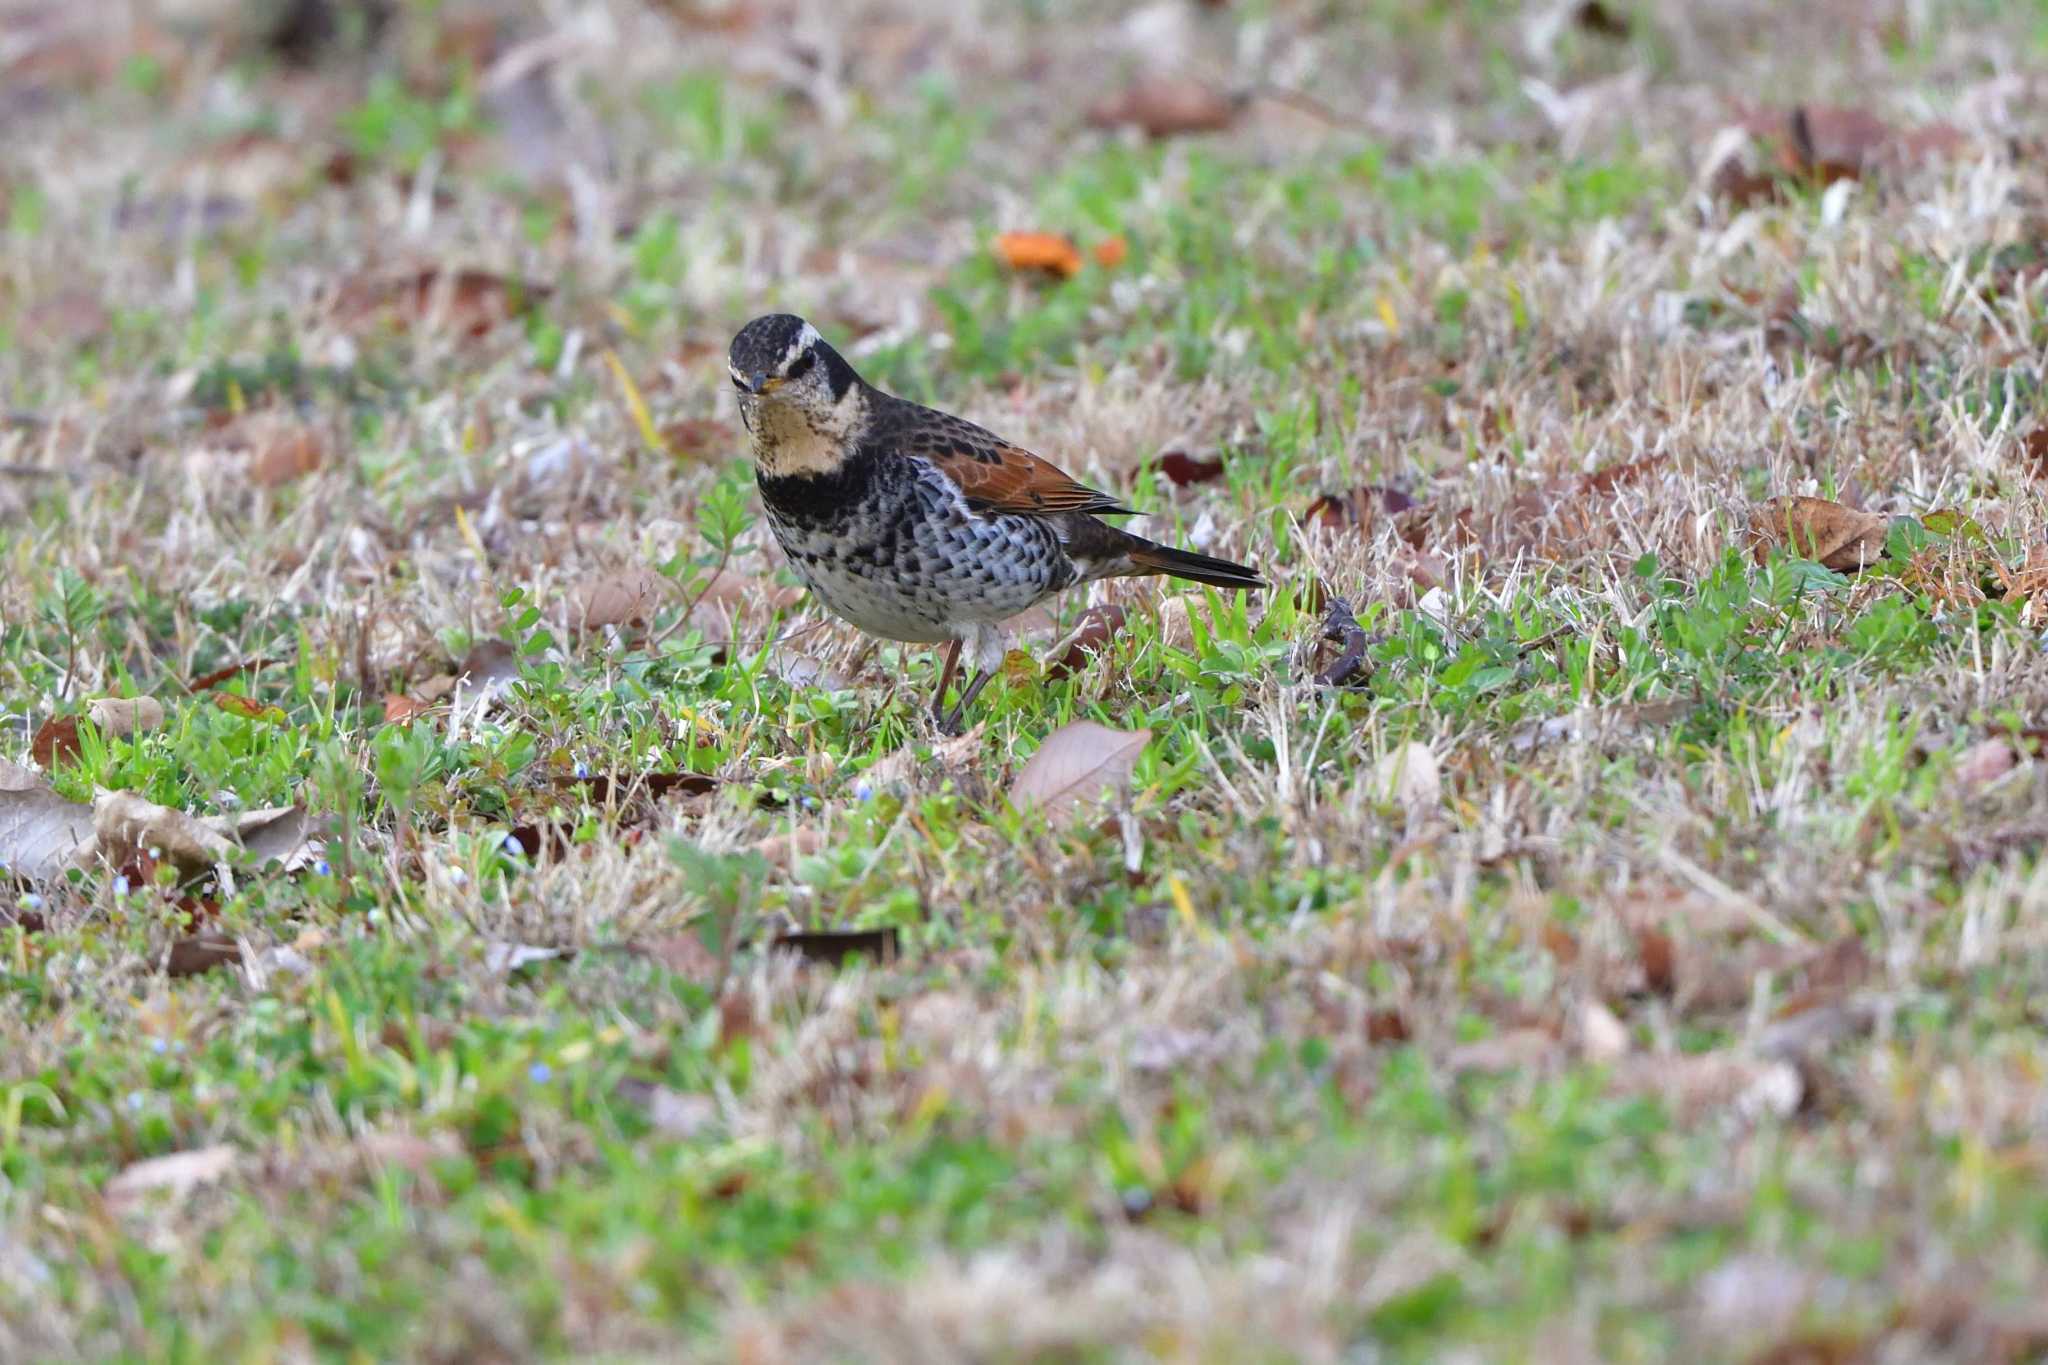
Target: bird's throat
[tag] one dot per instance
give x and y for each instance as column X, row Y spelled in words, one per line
column 798, row 442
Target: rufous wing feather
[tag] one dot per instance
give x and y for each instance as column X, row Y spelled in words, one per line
column 1004, row 478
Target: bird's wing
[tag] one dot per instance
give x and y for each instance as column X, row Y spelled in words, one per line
column 992, row 474
column 1007, row 479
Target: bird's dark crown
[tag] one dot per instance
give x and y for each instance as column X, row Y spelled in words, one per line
column 780, row 348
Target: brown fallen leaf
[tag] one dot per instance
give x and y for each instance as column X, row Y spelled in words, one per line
column 784, row 849
column 895, row 769
column 198, row 953
column 1595, row 17
column 130, row 827
column 1183, row 469
column 221, row 675
column 1075, row 767
column 118, row 717
column 287, row 835
column 1362, row 507
column 603, row 790
column 1836, row 537
column 2035, row 446
column 469, row 302
column 1340, row 628
column 55, row 741
column 623, row 599
column 175, row 1176
column 42, row 835
column 1711, row 1084
column 281, row 449
column 1044, row 251
column 1984, row 762
column 832, row 947
column 1098, row 626
column 1824, row 143
column 1615, row 475
column 1166, row 106
column 699, row 438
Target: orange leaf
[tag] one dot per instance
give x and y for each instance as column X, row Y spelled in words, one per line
column 1110, row 252
column 1047, row 251
column 234, row 703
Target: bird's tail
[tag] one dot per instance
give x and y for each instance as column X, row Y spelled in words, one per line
column 1148, row 557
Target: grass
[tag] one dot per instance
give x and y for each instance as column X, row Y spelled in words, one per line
column 1634, row 958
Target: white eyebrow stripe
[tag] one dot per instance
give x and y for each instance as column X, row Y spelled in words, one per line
column 806, row 338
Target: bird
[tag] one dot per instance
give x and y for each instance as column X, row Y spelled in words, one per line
column 912, row 524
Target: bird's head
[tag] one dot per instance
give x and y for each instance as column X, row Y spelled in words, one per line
column 780, row 360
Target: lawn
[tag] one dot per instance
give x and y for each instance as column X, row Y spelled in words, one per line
column 462, row 902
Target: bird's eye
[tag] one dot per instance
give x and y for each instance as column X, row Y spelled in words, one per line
column 801, row 366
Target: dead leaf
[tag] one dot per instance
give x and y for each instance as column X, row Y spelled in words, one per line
column 1602, row 1037
column 221, row 675
column 832, row 947
column 784, row 849
column 282, row 450
column 1984, row 762
column 286, row 835
column 629, row 598
column 1362, row 507
column 1710, row 1084
column 399, row 708
column 176, row 1176
column 198, row 953
column 488, row 669
column 1837, row 537
column 1110, row 252
column 130, row 827
column 470, row 303
column 55, row 741
column 1615, row 475
column 699, row 437
column 2035, row 444
column 117, row 717
column 894, row 770
column 1410, row 777
column 1595, row 17
column 1184, row 469
column 1165, row 106
column 1513, row 1050
column 1044, row 251
column 683, row 954
column 1076, row 766
column 603, row 790
column 506, row 958
column 1098, row 625
column 249, row 708
column 42, row 835
column 70, row 315
column 1387, row 1026
column 1341, row 628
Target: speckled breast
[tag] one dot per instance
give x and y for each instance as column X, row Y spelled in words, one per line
column 892, row 549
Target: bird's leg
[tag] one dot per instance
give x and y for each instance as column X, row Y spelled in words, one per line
column 985, row 656
column 945, row 681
